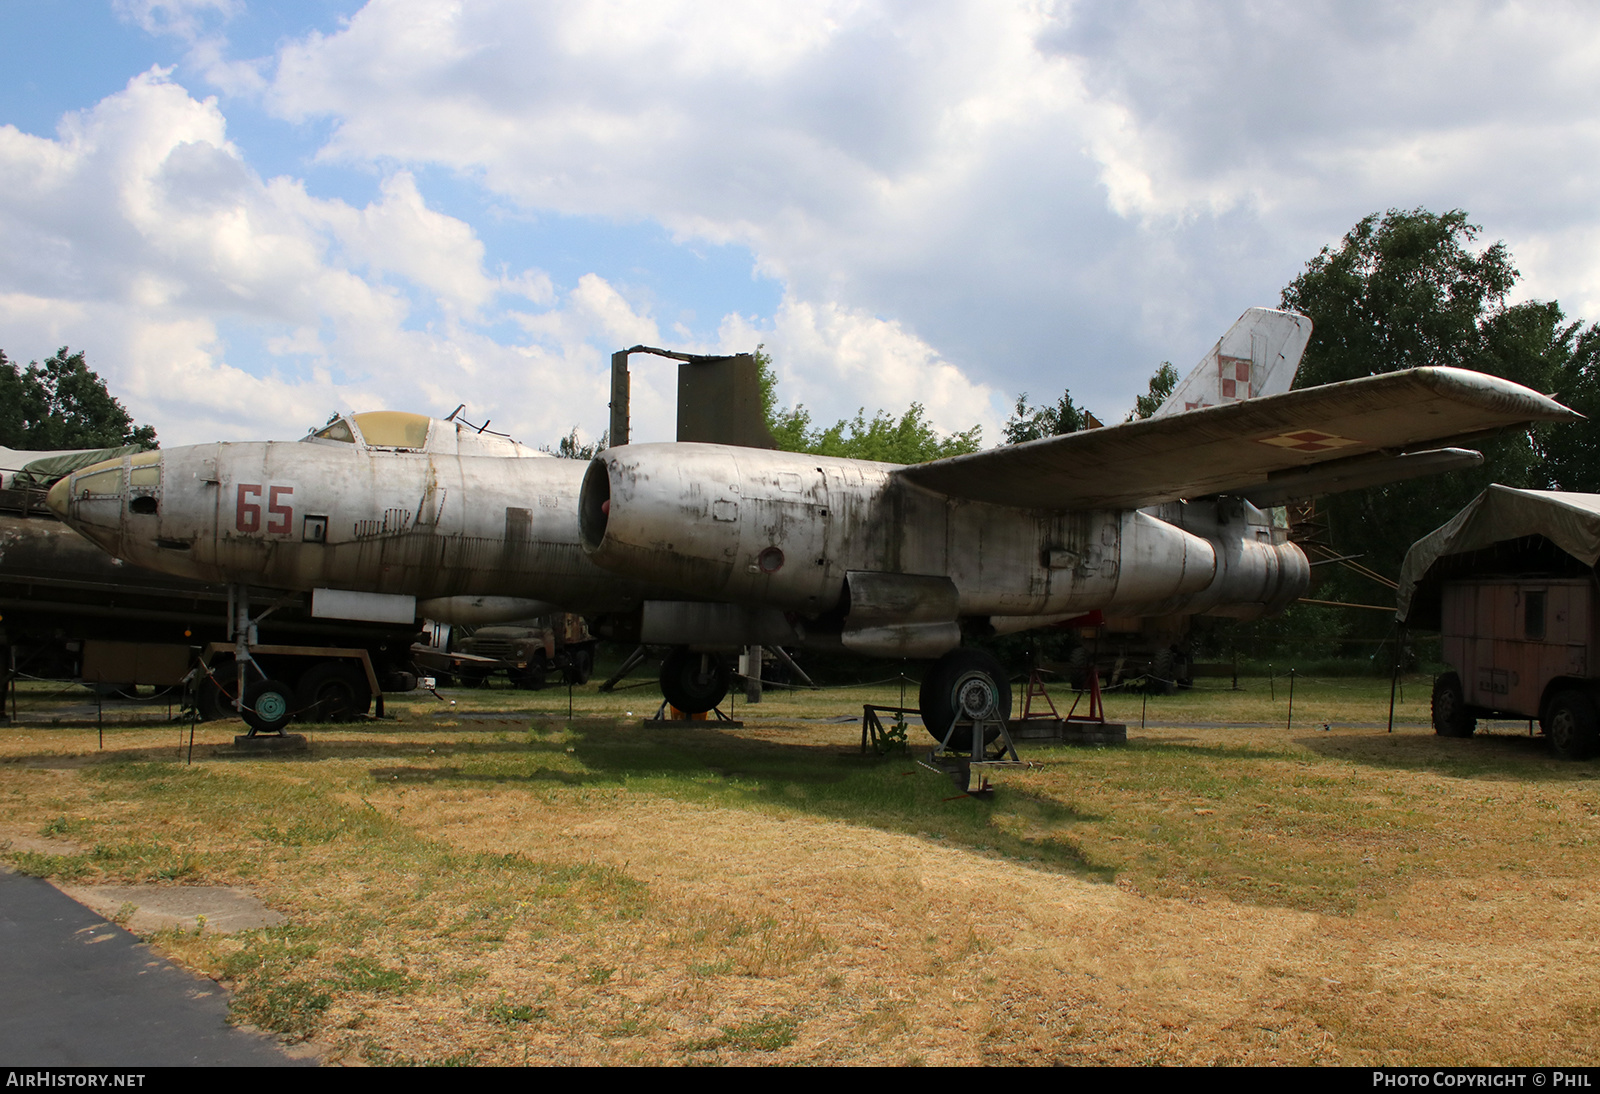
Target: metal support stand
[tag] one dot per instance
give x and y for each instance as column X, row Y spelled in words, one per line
column 982, row 758
column 661, row 721
column 628, row 665
column 1035, row 690
column 788, row 663
column 1097, row 710
column 872, row 727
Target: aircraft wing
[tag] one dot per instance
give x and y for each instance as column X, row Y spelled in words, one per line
column 1231, row 449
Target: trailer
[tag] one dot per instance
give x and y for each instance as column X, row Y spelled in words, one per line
column 1510, row 585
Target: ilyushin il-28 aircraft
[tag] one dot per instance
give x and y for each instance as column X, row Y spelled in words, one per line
column 710, row 546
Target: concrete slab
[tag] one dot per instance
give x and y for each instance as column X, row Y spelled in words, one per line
column 145, row 909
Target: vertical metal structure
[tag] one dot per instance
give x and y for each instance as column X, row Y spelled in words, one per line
column 619, row 396
column 719, row 399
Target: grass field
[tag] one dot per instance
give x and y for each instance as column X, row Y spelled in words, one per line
column 487, row 881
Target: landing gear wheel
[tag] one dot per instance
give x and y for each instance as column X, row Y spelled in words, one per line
column 969, row 684
column 1572, row 725
column 693, row 682
column 333, row 691
column 268, row 706
column 1450, row 717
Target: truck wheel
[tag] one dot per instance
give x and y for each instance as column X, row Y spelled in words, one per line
column 213, row 697
column 580, row 666
column 333, row 691
column 531, row 678
column 1163, row 673
column 1450, row 716
column 268, row 706
column 1572, row 726
column 1078, row 667
column 693, row 682
column 965, row 683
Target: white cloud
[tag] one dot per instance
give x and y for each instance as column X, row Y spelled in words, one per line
column 220, row 305
column 837, row 362
column 963, row 199
column 1045, row 192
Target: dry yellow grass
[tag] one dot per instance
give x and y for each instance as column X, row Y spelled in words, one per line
column 597, row 894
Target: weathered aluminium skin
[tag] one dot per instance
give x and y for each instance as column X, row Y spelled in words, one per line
column 806, row 534
column 303, row 516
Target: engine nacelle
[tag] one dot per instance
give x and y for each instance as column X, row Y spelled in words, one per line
column 738, row 524
column 1258, row 571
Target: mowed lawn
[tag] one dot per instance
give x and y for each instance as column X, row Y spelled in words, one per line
column 480, row 879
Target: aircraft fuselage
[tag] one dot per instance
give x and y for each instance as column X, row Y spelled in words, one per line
column 305, row 516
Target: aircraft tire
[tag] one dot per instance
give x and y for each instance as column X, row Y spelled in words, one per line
column 946, row 686
column 694, row 682
column 1450, row 715
column 1572, row 725
column 333, row 691
column 268, row 706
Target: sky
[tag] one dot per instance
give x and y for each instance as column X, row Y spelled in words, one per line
column 252, row 215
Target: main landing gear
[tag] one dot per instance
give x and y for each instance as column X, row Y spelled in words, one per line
column 969, row 685
column 694, row 682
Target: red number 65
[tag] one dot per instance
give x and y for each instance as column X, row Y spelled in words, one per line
column 247, row 515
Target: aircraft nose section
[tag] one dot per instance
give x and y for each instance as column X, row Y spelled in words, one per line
column 57, row 498
column 90, row 501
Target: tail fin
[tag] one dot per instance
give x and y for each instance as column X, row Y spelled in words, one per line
column 1258, row 356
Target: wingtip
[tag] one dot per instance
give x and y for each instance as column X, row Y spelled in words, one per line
column 1537, row 406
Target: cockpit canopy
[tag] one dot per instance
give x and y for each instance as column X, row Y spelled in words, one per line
column 400, row 431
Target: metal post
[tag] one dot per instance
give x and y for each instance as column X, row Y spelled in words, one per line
column 1290, row 724
column 241, row 643
column 752, row 674
column 1394, row 682
column 619, row 398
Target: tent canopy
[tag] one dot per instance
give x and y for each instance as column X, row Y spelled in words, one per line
column 1504, row 530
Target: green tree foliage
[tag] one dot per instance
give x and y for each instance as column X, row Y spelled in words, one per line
column 62, row 404
column 570, row 448
column 1033, row 423
column 1161, row 385
column 1403, row 289
column 1407, row 289
column 907, row 439
column 1569, row 454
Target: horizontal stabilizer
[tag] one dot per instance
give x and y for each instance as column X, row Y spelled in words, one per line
column 1233, row 449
